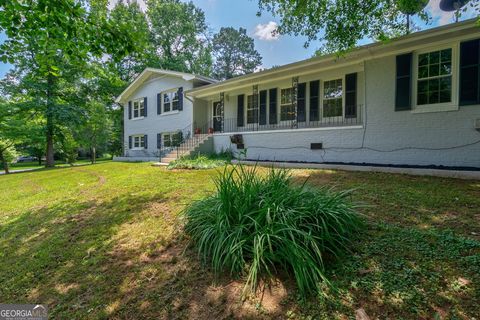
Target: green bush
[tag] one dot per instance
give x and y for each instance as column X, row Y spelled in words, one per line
column 200, row 161
column 255, row 225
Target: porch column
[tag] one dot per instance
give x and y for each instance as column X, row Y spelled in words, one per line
column 255, row 104
column 222, row 111
column 294, row 100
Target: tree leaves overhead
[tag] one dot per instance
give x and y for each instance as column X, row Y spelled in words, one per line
column 234, row 53
column 339, row 24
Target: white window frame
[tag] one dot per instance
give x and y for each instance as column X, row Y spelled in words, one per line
column 141, row 142
column 139, row 105
column 251, row 107
column 284, row 104
column 436, row 107
column 322, row 97
column 171, row 94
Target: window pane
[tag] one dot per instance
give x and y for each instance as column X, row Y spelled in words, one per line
column 135, row 113
column 433, row 85
column 423, row 72
column 287, row 112
column 175, row 105
column 175, row 96
column 332, row 108
column 446, row 68
column 166, row 98
column 423, row 59
column 333, row 89
column 434, row 70
column 446, row 55
column 422, row 86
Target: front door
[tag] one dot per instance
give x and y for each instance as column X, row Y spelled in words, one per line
column 217, row 116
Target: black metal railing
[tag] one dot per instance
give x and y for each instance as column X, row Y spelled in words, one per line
column 191, row 136
column 231, row 125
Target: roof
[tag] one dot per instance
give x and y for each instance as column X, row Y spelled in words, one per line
column 369, row 51
column 142, row 77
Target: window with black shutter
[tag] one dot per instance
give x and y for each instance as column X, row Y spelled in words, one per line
column 351, row 95
column 263, row 107
column 159, row 103
column 314, row 100
column 145, row 106
column 145, row 141
column 180, row 98
column 301, row 104
column 470, row 72
column 272, row 109
column 129, row 142
column 129, row 109
column 403, row 87
column 240, row 111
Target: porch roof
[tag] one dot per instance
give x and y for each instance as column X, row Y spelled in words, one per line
column 405, row 43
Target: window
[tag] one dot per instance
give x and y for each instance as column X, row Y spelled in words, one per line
column 287, row 109
column 252, row 110
column 170, row 101
column 434, row 77
column 172, row 139
column 139, row 142
column 333, row 98
column 138, row 108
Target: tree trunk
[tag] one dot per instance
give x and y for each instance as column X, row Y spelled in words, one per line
column 40, row 159
column 4, row 163
column 94, row 155
column 50, row 161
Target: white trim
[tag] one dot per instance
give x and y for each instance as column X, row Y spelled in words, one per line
column 289, row 130
column 455, row 63
column 140, row 136
column 139, row 101
column 169, row 113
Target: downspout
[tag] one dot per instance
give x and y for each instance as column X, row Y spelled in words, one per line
column 193, row 116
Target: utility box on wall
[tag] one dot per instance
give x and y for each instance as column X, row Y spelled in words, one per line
column 316, row 146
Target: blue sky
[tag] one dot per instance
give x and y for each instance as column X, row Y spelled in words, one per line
column 274, row 50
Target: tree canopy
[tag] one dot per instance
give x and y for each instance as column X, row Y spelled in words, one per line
column 234, row 53
column 339, row 25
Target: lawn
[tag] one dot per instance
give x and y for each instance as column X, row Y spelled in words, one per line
column 34, row 164
column 105, row 241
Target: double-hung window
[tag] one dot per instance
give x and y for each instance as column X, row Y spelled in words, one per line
column 434, row 77
column 170, row 101
column 333, row 98
column 287, row 109
column 252, row 110
column 138, row 141
column 138, row 108
column 172, row 139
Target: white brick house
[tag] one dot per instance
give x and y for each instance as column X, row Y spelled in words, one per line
column 413, row 101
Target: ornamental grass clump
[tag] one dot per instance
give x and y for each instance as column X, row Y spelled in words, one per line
column 256, row 225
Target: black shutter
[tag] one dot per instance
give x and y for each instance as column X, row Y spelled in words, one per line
column 263, row 107
column 159, row 140
column 470, row 72
column 145, row 140
column 403, row 90
column 351, row 95
column 314, row 99
column 159, row 103
column 129, row 109
column 180, row 99
column 240, row 111
column 129, row 142
column 145, row 106
column 272, row 106
column 301, row 95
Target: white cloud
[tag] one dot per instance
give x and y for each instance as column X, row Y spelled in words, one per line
column 267, row 31
column 442, row 17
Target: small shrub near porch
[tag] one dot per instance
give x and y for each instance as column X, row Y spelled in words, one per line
column 255, row 225
column 200, row 161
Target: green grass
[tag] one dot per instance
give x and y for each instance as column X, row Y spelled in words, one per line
column 35, row 165
column 257, row 225
column 105, row 241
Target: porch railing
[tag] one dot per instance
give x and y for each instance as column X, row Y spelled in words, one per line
column 232, row 125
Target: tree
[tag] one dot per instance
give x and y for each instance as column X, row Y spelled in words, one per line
column 343, row 22
column 234, row 53
column 50, row 42
column 179, row 36
column 130, row 18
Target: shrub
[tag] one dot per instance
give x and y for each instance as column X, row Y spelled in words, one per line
column 255, row 225
column 202, row 161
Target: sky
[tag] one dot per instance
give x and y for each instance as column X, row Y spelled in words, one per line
column 275, row 50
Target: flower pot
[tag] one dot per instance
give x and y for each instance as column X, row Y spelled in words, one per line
column 198, row 131
column 210, row 130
